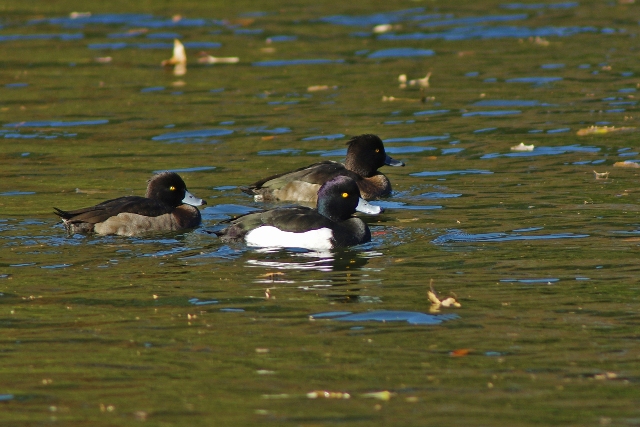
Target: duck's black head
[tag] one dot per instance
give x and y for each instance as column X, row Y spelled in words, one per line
column 365, row 155
column 171, row 189
column 338, row 198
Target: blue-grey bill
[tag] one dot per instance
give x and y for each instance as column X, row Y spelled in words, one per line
column 389, row 161
column 368, row 208
column 192, row 200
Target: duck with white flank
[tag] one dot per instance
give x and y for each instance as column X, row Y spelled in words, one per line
column 329, row 226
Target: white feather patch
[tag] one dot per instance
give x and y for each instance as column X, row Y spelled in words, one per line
column 271, row 237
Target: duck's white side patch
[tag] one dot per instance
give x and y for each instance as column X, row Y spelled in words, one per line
column 271, row 237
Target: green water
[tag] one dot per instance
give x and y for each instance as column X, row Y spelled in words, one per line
column 541, row 255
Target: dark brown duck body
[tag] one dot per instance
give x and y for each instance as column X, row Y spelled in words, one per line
column 365, row 154
column 168, row 206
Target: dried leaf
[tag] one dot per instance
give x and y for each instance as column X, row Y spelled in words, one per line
column 522, row 147
column 178, row 60
column 385, row 395
column 602, row 175
column 328, row 394
column 460, row 352
column 204, row 58
column 599, row 130
column 626, row 164
column 436, row 302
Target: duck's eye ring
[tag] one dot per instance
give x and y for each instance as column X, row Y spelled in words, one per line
column 377, row 150
column 345, row 195
column 172, row 188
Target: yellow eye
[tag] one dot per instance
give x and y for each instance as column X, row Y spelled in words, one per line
column 172, row 188
column 377, row 150
column 345, row 195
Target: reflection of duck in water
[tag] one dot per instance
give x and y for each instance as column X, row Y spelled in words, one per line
column 167, row 206
column 365, row 154
column 329, row 226
column 335, row 260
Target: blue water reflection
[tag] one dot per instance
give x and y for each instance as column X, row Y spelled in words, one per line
column 454, row 172
column 458, row 236
column 411, row 317
column 400, row 52
column 373, row 19
column 192, row 135
column 55, row 123
column 546, row 151
column 287, row 62
column 480, row 32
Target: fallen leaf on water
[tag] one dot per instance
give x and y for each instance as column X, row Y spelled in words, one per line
column 601, row 175
column 422, row 83
column 380, row 395
column 460, row 352
column 328, row 394
column 205, row 58
column 436, row 302
column 393, row 98
column 383, row 28
column 76, row 15
column 522, row 147
column 606, row 376
column 626, row 164
column 408, row 219
column 539, row 41
column 317, row 88
column 271, row 275
column 599, row 130
column 178, row 60
column 276, row 396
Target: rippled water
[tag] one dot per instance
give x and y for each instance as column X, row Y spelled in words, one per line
column 498, row 204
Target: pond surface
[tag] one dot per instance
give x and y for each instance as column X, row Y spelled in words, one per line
column 499, row 204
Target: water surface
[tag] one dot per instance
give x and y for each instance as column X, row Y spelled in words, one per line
column 182, row 329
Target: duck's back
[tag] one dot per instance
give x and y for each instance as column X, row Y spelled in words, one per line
column 300, row 184
column 103, row 211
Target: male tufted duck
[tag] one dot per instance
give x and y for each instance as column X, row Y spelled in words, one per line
column 329, row 226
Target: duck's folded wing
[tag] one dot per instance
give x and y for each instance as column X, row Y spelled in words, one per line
column 294, row 219
column 317, row 173
column 102, row 211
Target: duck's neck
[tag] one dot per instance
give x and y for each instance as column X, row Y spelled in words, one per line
column 325, row 209
column 353, row 166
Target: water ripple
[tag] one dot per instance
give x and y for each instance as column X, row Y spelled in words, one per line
column 411, row 317
column 458, row 236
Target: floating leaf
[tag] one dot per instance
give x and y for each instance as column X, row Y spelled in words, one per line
column 460, row 352
column 522, row 147
column 436, row 302
column 178, row 60
column 328, row 394
column 626, row 164
column 205, row 58
column 599, row 130
column 380, row 395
